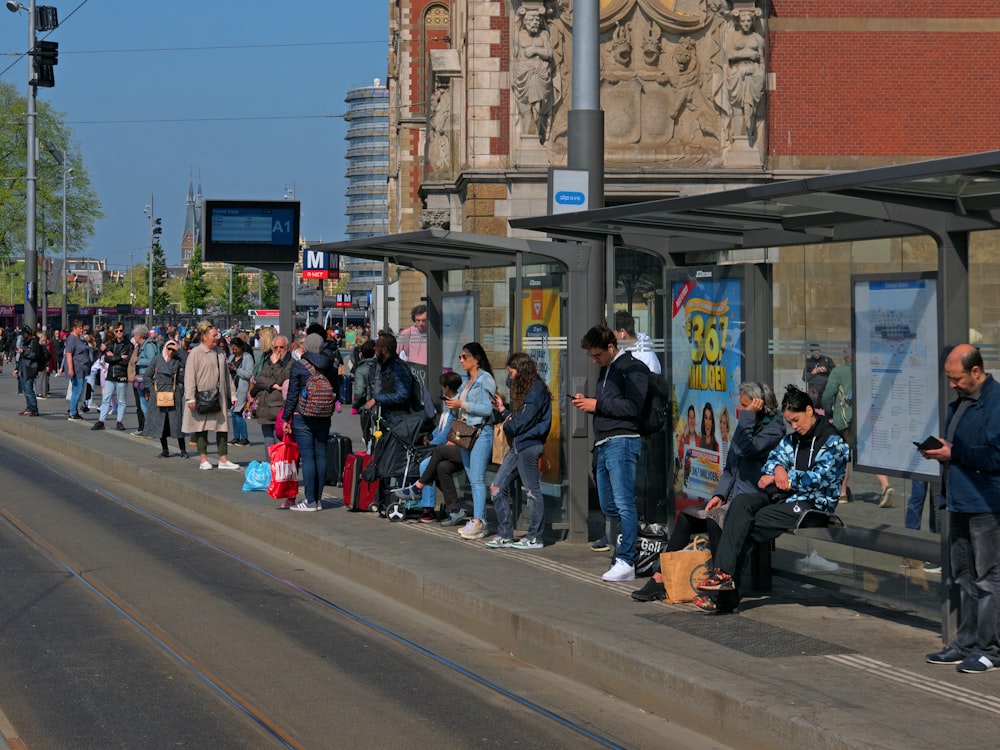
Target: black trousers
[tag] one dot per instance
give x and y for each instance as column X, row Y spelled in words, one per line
column 754, row 518
column 446, row 461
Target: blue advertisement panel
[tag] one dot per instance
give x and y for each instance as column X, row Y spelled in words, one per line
column 706, row 323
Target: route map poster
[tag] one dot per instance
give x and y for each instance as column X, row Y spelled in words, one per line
column 706, row 320
column 896, row 374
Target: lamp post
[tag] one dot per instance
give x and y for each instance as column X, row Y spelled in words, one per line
column 130, row 279
column 30, row 252
column 152, row 236
column 64, row 319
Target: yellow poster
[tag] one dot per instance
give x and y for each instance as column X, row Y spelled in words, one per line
column 540, row 312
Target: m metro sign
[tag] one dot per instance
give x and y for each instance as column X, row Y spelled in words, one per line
column 315, row 264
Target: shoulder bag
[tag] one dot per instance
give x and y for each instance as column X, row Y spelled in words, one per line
column 463, row 434
column 209, row 401
column 165, row 399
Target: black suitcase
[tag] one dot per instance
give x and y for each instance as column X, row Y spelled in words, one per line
column 338, row 448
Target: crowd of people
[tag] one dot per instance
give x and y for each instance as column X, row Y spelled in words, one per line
column 187, row 384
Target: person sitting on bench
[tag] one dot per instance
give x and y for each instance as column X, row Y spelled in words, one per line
column 803, row 473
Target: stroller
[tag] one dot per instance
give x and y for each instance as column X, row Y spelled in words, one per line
column 397, row 455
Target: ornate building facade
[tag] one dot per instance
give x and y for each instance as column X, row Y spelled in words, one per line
column 697, row 95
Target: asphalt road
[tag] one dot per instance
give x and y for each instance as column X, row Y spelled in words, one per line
column 129, row 624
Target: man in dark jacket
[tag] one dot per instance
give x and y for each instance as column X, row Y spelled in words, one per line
column 31, row 357
column 116, row 354
column 621, row 395
column 392, row 381
column 970, row 455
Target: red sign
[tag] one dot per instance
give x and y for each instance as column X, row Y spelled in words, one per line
column 312, row 273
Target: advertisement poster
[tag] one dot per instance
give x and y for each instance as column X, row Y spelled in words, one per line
column 706, row 320
column 543, row 342
column 458, row 326
column 896, row 371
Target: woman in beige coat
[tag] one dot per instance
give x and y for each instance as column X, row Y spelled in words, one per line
column 206, row 369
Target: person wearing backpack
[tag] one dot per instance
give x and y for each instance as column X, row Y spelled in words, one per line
column 617, row 406
column 307, row 412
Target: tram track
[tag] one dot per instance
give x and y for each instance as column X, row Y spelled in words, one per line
column 252, row 712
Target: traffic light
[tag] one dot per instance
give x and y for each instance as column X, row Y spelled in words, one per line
column 44, row 57
column 157, row 229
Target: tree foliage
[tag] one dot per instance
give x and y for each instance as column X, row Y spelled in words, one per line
column 196, row 290
column 83, row 207
column 161, row 300
column 272, row 292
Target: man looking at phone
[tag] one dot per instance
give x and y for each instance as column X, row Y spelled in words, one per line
column 970, row 456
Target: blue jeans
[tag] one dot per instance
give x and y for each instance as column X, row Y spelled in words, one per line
column 140, row 398
column 28, row 389
column 975, row 568
column 915, row 504
column 118, row 391
column 475, row 462
column 525, row 463
column 428, row 495
column 75, row 393
column 616, row 463
column 239, row 427
column 312, row 435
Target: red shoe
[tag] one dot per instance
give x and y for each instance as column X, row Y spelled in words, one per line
column 287, row 504
column 718, row 581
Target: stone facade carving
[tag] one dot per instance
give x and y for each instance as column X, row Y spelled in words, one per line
column 439, row 131
column 535, row 80
column 682, row 81
column 744, row 72
column 435, row 219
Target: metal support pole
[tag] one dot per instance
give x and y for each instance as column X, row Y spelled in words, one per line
column 64, row 317
column 149, row 302
column 31, row 253
column 585, row 126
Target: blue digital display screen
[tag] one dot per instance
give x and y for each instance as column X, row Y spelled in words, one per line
column 249, row 232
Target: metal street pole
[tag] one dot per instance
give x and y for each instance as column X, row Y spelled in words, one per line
column 149, row 305
column 64, row 318
column 230, row 265
column 130, row 279
column 31, row 253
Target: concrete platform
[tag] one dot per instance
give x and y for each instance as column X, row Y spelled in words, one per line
column 799, row 667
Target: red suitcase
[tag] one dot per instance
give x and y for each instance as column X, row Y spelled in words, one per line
column 359, row 494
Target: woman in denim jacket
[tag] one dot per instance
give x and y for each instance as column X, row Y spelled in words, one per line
column 474, row 404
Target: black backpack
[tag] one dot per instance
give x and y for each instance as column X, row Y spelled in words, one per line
column 656, row 411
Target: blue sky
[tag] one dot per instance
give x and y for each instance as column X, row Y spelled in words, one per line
column 126, row 67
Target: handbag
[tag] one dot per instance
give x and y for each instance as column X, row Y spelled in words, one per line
column 681, row 569
column 166, row 398
column 500, row 445
column 463, row 434
column 257, row 477
column 208, row 401
column 284, row 469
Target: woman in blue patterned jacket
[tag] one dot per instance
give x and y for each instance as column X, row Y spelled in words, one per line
column 804, row 472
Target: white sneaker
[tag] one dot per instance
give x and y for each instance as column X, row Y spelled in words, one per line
column 815, row 563
column 477, row 531
column 205, row 466
column 469, row 526
column 229, row 465
column 620, row 571
column 305, row 506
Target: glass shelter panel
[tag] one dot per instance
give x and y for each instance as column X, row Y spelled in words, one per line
column 811, row 339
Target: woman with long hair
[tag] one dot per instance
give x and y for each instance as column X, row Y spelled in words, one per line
column 707, row 439
column 474, row 404
column 526, row 425
column 206, row 370
column 241, row 368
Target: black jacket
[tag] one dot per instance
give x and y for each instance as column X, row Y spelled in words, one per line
column 117, row 355
column 621, row 396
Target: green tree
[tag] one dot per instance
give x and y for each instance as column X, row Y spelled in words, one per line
column 196, row 290
column 83, row 207
column 161, row 300
column 241, row 291
column 272, row 292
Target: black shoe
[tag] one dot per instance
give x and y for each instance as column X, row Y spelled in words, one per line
column 74, row 418
column 184, row 454
column 119, row 426
column 86, row 409
column 164, row 454
column 97, row 426
column 653, row 591
column 601, row 545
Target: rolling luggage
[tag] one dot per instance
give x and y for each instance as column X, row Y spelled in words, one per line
column 359, row 494
column 338, row 448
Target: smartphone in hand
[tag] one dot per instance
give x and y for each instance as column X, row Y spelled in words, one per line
column 930, row 443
